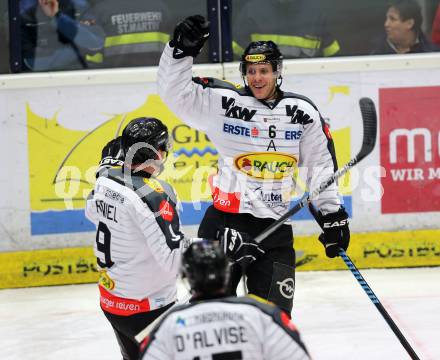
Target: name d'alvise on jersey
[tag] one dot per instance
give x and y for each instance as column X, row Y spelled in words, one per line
column 211, row 337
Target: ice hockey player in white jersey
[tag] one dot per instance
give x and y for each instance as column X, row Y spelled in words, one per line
column 138, row 242
column 262, row 134
column 214, row 326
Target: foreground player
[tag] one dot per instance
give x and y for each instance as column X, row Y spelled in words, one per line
column 217, row 327
column 138, row 240
column 261, row 134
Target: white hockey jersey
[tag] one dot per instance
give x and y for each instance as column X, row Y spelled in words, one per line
column 138, row 242
column 260, row 145
column 227, row 328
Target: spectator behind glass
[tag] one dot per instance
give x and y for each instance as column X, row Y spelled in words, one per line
column 136, row 31
column 298, row 27
column 403, row 33
column 59, row 35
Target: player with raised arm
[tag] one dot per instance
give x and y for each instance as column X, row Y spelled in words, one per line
column 214, row 326
column 138, row 243
column 262, row 135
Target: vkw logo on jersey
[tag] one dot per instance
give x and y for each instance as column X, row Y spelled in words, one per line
column 297, row 116
column 287, row 287
column 166, row 211
column 266, row 165
column 236, row 112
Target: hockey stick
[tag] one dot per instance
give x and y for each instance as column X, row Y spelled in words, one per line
column 369, row 119
column 145, row 332
column 378, row 304
column 372, row 297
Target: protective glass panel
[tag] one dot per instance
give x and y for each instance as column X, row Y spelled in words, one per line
column 322, row 28
column 90, row 34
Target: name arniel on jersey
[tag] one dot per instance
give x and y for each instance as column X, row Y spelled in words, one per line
column 105, row 210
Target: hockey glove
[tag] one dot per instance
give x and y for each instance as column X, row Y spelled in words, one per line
column 112, row 155
column 240, row 247
column 190, row 36
column 336, row 232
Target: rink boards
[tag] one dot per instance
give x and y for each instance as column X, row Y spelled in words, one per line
column 367, row 250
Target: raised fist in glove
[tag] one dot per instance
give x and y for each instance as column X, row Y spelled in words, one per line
column 190, row 36
column 112, row 155
column 240, row 247
column 336, row 232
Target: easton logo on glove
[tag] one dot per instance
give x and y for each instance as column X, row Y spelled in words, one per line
column 111, row 155
column 232, row 240
column 240, row 247
column 336, row 233
column 336, row 223
column 111, row 162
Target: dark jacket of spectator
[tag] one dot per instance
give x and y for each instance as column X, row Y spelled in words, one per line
column 384, row 46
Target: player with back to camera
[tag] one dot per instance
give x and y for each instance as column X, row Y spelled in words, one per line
column 215, row 326
column 138, row 243
column 262, row 134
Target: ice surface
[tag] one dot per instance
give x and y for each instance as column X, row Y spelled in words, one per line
column 336, row 318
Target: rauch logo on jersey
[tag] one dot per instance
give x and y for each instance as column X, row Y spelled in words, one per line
column 266, row 165
column 166, row 211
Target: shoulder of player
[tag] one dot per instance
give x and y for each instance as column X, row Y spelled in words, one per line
column 213, row 83
column 156, row 193
column 139, row 190
column 303, row 100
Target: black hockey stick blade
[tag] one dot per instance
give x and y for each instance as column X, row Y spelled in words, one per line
column 369, row 120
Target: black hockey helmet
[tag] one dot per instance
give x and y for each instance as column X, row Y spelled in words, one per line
column 205, row 266
column 262, row 52
column 150, row 133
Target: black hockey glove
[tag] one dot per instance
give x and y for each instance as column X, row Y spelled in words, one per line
column 112, row 155
column 190, row 36
column 240, row 247
column 336, row 232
